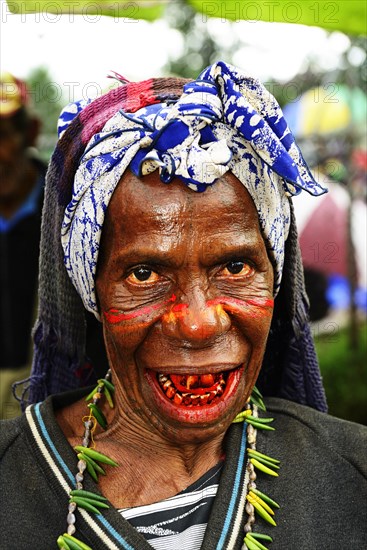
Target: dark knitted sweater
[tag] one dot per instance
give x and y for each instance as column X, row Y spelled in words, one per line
column 322, row 487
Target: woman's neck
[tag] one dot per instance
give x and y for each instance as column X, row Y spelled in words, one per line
column 150, row 467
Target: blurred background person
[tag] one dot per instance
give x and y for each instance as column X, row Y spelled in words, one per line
column 22, row 177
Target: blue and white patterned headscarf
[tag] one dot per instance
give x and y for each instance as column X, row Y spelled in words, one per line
column 224, row 121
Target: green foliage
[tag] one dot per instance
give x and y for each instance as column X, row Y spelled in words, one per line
column 347, row 16
column 344, row 372
column 46, row 102
column 201, row 48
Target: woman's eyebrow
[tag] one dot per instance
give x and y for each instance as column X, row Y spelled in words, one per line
column 144, row 256
column 240, row 248
column 235, row 247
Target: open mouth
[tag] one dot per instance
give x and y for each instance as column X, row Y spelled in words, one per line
column 192, row 398
column 193, row 390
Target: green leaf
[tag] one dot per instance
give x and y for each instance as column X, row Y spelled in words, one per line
column 260, row 426
column 97, row 503
column 107, row 384
column 93, row 463
column 241, row 417
column 260, row 510
column 92, row 502
column 256, row 453
column 98, row 415
column 256, row 391
column 251, row 545
column 263, row 468
column 261, row 420
column 258, row 402
column 62, row 544
column 264, row 461
column 87, row 494
column 95, row 455
column 82, row 545
column 267, row 499
column 90, row 395
column 74, row 545
column 257, row 542
column 109, row 397
column 261, row 536
column 262, row 502
column 91, row 471
column 83, row 503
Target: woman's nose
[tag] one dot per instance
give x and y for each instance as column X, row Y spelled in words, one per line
column 195, row 321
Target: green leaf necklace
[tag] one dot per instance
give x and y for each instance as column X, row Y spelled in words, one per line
column 94, row 462
column 257, row 501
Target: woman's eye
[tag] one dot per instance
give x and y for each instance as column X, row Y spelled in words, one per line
column 237, row 268
column 142, row 275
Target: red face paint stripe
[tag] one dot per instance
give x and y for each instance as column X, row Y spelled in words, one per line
column 179, row 307
column 113, row 315
column 257, row 302
column 261, row 302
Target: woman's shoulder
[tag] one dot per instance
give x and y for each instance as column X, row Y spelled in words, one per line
column 10, row 430
column 301, row 427
column 311, row 417
column 17, row 432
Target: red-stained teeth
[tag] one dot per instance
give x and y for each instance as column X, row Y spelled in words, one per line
column 186, row 399
column 177, row 399
column 166, row 385
column 195, row 400
column 212, row 394
column 207, row 380
column 191, row 381
column 170, row 392
column 202, row 388
column 204, row 399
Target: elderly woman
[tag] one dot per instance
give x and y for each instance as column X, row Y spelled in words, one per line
column 168, row 216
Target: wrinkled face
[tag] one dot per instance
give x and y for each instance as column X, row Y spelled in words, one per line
column 185, row 293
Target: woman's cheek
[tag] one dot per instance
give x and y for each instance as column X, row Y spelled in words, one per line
column 252, row 314
column 129, row 328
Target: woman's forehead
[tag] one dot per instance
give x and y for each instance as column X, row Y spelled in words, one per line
column 136, row 197
column 173, row 224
